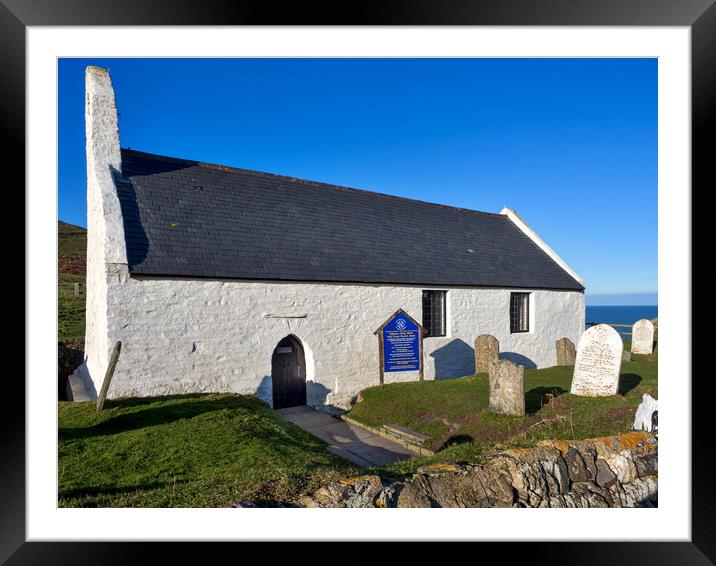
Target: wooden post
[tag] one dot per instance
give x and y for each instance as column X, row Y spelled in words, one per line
column 108, row 375
column 420, row 353
column 381, row 361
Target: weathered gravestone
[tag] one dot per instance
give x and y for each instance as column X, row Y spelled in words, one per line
column 507, row 388
column 642, row 337
column 565, row 352
column 487, row 350
column 598, row 363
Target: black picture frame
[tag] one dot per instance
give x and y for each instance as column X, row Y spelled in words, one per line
column 699, row 15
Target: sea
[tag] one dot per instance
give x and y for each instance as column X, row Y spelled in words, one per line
column 620, row 314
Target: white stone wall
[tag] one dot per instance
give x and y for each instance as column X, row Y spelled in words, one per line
column 182, row 335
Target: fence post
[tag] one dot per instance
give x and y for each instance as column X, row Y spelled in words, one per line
column 77, row 290
column 108, row 375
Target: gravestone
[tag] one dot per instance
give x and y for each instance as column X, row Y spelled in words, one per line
column 487, row 350
column 565, row 352
column 626, row 356
column 655, row 322
column 642, row 337
column 507, row 388
column 598, row 362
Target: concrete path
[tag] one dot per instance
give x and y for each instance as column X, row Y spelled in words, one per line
column 347, row 440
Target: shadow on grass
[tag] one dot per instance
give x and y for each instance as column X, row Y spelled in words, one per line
column 456, row 439
column 627, row 382
column 113, row 490
column 536, row 398
column 192, row 406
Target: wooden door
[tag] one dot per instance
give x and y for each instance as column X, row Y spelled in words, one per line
column 288, row 374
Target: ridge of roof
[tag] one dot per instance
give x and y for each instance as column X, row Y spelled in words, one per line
column 308, row 182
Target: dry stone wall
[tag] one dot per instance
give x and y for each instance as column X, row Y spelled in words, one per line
column 613, row 471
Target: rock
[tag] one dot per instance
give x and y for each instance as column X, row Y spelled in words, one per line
column 360, row 491
column 442, row 469
column 605, row 476
column 638, row 443
column 647, row 465
column 640, row 491
column 576, row 467
column 589, row 494
column 585, row 448
column 479, row 486
column 655, row 423
column 623, row 466
column 536, row 474
column 642, row 419
column 412, row 494
column 305, row 501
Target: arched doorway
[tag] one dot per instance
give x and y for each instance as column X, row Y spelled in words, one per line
column 288, row 374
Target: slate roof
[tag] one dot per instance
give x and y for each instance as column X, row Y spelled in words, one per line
column 191, row 219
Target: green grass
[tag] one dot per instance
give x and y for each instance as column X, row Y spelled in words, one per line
column 71, row 253
column 455, row 412
column 186, row 451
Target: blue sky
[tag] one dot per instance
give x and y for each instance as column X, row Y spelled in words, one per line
column 569, row 144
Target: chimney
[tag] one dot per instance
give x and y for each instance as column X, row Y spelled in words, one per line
column 104, row 214
column 106, row 248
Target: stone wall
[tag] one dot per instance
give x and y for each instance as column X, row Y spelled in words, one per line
column 613, row 471
column 182, row 335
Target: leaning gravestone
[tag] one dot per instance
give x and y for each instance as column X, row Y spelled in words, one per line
column 565, row 352
column 599, row 360
column 507, row 388
column 642, row 337
column 487, row 350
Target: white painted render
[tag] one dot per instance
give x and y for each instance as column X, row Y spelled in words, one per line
column 184, row 335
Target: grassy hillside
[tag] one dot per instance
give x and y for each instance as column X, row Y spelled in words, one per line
column 186, row 451
column 71, row 266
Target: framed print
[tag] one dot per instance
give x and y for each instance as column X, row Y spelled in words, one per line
column 181, row 272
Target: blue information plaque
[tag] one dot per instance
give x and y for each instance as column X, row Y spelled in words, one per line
column 401, row 344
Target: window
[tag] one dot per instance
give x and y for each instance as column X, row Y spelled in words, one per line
column 434, row 313
column 520, row 312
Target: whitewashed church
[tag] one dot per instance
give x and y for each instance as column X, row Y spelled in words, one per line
column 221, row 279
